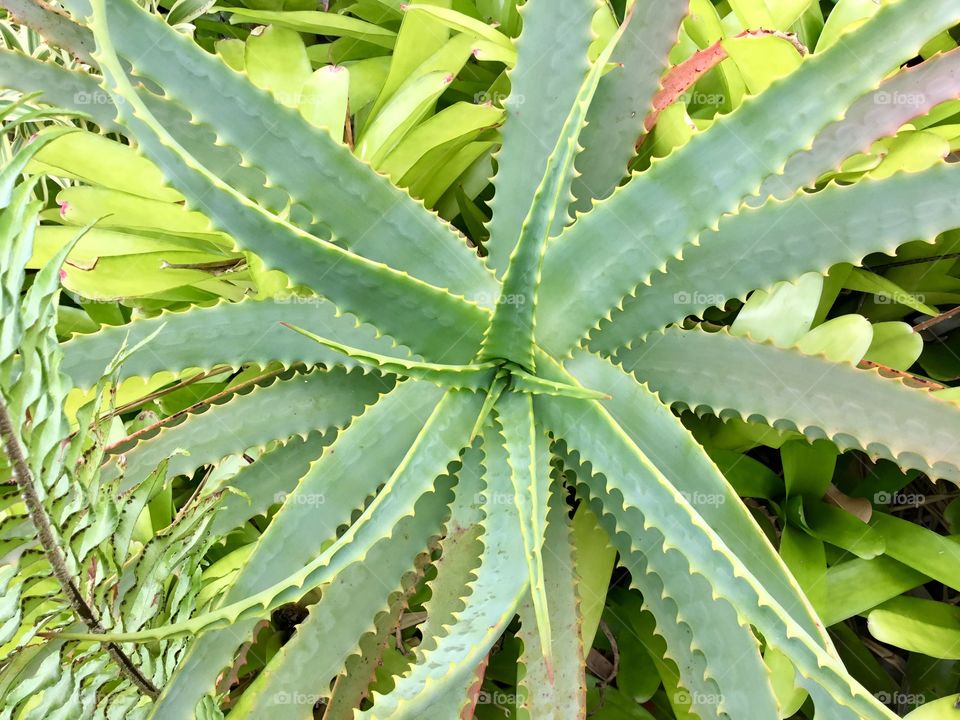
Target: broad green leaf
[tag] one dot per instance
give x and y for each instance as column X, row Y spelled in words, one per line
column 324, row 99
column 885, row 290
column 894, row 345
column 423, row 44
column 783, row 313
column 918, row 625
column 940, row 709
column 398, row 116
column 594, row 557
column 463, row 23
column 843, row 339
column 838, row 527
column 321, row 23
column 459, row 122
column 762, row 59
column 96, row 160
column 276, row 60
column 855, row 586
column 847, row 17
column 921, row 549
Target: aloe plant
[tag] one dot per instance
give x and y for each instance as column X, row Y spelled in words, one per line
column 425, row 396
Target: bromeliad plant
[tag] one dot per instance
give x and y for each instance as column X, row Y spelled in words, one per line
column 541, row 366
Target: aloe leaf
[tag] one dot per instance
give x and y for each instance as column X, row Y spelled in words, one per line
column 463, row 377
column 717, row 656
column 364, row 456
column 853, row 408
column 544, row 86
column 349, row 280
column 528, row 456
column 592, row 267
column 872, row 216
column 624, row 98
column 183, row 343
column 902, row 97
column 526, row 382
column 267, row 481
column 640, row 498
column 81, row 93
column 511, row 331
column 556, row 691
column 672, row 448
column 462, row 550
column 500, row 581
column 295, row 406
column 318, row 172
column 324, row 641
column 432, row 452
column 68, row 89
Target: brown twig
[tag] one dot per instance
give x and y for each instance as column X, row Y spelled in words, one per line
column 929, row 323
column 134, row 404
column 41, row 522
column 196, row 406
